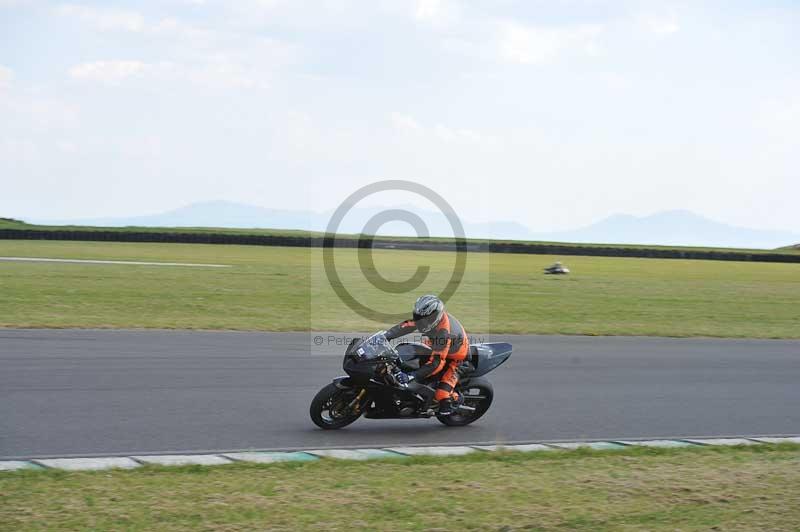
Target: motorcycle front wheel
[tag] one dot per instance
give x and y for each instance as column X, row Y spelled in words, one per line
column 478, row 394
column 330, row 407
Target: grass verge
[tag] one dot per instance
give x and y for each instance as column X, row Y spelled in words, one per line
column 742, row 488
column 278, row 289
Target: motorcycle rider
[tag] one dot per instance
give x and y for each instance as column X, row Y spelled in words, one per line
column 445, row 335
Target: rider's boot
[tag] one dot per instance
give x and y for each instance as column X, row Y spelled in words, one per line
column 450, row 405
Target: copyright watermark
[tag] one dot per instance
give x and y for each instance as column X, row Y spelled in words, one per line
column 353, row 296
column 343, row 340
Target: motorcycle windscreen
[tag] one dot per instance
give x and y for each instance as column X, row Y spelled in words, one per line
column 370, row 348
column 486, row 357
column 362, row 360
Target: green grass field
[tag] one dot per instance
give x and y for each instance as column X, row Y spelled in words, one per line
column 270, row 288
column 750, row 488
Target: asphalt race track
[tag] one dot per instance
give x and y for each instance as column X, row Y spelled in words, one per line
column 86, row 392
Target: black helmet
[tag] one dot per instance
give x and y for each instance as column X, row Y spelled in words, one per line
column 428, row 312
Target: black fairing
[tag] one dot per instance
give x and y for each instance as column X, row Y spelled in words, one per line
column 482, row 359
column 364, row 360
column 360, row 370
column 344, row 383
column 486, row 357
column 413, row 354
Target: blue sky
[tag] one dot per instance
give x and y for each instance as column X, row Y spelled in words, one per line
column 552, row 114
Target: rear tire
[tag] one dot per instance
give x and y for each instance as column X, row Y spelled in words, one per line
column 328, row 407
column 479, row 394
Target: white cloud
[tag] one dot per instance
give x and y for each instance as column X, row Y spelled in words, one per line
column 217, row 71
column 409, row 125
column 217, row 56
column 536, row 46
column 446, row 16
column 195, row 36
column 428, row 9
column 438, row 13
column 222, row 72
column 660, row 25
column 29, row 109
column 111, row 72
column 131, row 21
column 404, row 122
column 6, row 77
column 449, row 134
column 104, row 19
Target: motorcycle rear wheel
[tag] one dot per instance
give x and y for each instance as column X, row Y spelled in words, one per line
column 478, row 394
column 328, row 408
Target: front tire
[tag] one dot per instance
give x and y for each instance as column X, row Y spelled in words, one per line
column 329, row 408
column 479, row 394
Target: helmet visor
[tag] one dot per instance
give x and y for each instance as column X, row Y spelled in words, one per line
column 426, row 323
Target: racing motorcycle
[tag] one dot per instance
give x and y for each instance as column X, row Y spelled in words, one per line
column 372, row 389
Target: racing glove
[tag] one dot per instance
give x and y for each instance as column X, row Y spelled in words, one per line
column 402, row 378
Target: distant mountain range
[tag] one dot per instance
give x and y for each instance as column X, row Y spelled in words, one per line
column 668, row 228
column 681, row 228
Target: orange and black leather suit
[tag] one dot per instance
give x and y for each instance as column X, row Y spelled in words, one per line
column 450, row 346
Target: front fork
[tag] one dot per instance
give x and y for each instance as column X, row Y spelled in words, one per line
column 355, row 404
